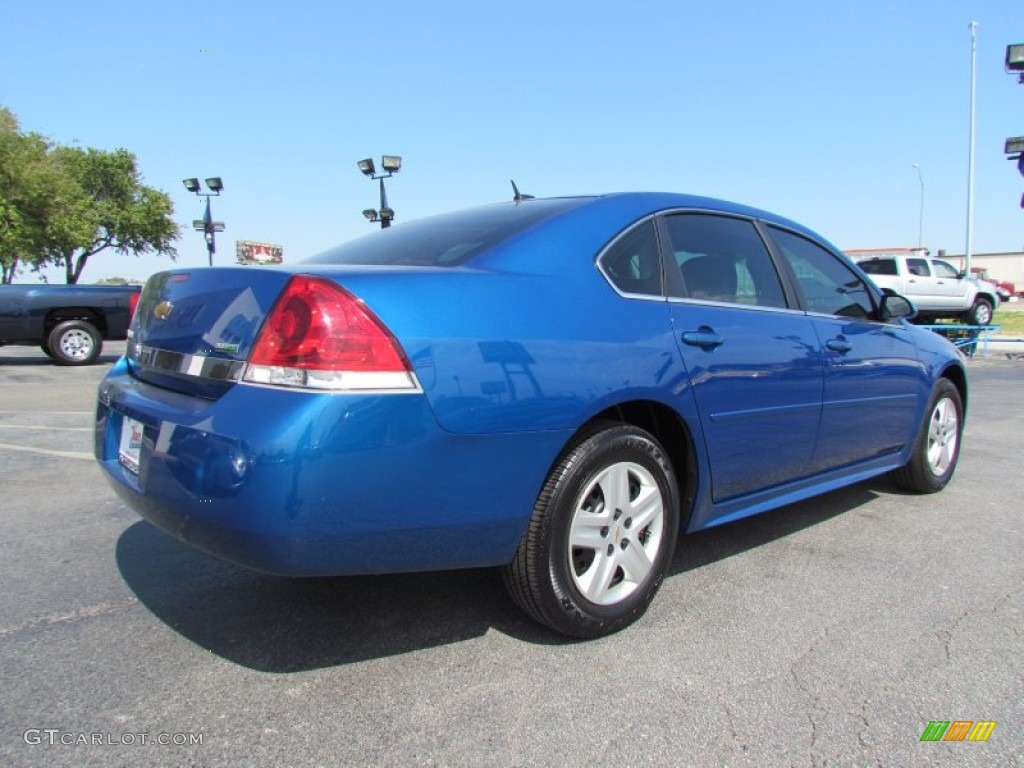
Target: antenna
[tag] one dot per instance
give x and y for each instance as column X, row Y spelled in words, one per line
column 517, row 196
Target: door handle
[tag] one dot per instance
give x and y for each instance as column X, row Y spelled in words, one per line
column 705, row 338
column 839, row 345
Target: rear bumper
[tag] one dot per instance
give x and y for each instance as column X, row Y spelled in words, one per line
column 302, row 484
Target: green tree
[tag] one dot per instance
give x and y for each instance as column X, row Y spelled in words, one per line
column 30, row 192
column 62, row 205
column 115, row 210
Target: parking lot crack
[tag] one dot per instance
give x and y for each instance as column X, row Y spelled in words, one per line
column 946, row 635
column 69, row 617
column 808, row 691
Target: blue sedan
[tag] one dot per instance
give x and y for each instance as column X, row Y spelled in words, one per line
column 555, row 387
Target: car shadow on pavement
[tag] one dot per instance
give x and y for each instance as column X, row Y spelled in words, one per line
column 277, row 624
column 714, row 544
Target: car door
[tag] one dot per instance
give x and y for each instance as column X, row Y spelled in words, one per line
column 950, row 288
column 753, row 361
column 873, row 380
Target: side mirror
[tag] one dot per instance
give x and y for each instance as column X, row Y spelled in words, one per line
column 895, row 307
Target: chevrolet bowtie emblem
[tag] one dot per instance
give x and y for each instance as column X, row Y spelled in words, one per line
column 162, row 310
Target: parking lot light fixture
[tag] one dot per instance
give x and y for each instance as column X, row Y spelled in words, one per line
column 207, row 225
column 391, row 164
column 1015, row 59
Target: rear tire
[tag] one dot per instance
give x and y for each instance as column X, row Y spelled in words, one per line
column 74, row 342
column 937, row 448
column 602, row 535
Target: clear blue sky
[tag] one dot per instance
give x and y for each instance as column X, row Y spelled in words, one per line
column 814, row 110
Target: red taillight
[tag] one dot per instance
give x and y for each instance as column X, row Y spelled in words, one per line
column 318, row 335
column 133, row 302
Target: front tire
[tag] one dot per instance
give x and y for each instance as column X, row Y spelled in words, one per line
column 980, row 313
column 602, row 535
column 74, row 342
column 937, row 448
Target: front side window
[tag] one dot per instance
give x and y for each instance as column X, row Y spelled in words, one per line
column 942, row 269
column 632, row 263
column 723, row 259
column 918, row 267
column 828, row 285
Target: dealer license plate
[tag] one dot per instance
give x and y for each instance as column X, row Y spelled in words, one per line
column 131, row 444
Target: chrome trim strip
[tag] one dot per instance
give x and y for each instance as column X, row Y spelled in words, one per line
column 199, row 366
column 736, row 305
column 894, row 324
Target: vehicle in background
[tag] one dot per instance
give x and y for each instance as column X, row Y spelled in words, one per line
column 1004, row 288
column 937, row 288
column 555, row 387
column 68, row 322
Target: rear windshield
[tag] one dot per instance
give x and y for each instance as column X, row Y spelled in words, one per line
column 446, row 240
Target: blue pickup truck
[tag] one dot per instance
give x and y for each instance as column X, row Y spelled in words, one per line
column 69, row 322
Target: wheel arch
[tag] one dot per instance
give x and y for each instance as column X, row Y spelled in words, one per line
column 94, row 317
column 986, row 296
column 958, row 377
column 669, row 429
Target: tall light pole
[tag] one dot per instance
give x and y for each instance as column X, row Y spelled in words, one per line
column 1014, row 147
column 392, row 164
column 920, row 216
column 973, row 26
column 207, row 225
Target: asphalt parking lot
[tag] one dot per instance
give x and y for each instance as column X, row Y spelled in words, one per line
column 827, row 633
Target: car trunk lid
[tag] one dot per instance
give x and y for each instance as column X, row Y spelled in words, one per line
column 194, row 329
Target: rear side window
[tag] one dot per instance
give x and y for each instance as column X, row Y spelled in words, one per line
column 723, row 259
column 879, row 266
column 448, row 240
column 632, row 263
column 828, row 285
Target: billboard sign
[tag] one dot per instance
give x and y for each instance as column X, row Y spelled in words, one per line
column 250, row 253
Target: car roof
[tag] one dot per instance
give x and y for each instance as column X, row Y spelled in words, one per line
column 536, row 233
column 584, row 228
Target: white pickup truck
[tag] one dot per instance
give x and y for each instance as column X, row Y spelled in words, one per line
column 936, row 287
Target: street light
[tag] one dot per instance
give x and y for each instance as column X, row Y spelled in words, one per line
column 920, row 217
column 1014, row 147
column 207, row 225
column 969, row 247
column 392, row 164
